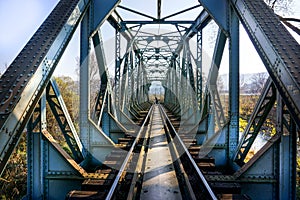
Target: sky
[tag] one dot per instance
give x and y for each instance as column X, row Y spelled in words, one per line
column 20, row 19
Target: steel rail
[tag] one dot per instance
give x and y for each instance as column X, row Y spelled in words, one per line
column 199, row 173
column 125, row 163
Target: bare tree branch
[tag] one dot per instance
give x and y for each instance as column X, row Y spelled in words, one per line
column 291, row 26
column 273, row 4
column 289, row 19
column 2, row 179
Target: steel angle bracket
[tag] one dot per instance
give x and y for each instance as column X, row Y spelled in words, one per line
column 219, row 11
column 101, row 11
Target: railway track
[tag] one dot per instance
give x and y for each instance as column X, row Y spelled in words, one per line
column 158, row 163
column 156, row 166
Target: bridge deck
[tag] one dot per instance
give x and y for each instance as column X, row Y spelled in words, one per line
column 160, row 181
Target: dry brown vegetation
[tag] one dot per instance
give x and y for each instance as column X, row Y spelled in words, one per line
column 13, row 180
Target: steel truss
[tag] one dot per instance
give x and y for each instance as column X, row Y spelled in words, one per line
column 167, row 57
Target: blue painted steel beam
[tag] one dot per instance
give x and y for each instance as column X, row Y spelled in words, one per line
column 64, row 121
column 214, row 69
column 35, row 148
column 114, row 23
column 118, row 61
column 199, row 69
column 177, row 22
column 118, row 27
column 234, row 84
column 277, row 48
column 85, row 30
column 200, row 22
column 258, row 117
column 158, row 9
column 217, row 57
column 88, row 129
column 261, row 172
column 50, row 40
column 180, row 12
column 219, row 11
column 101, row 10
column 137, row 12
column 124, row 80
column 100, row 57
column 286, row 127
column 191, row 76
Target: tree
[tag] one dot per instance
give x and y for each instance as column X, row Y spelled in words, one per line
column 248, row 102
column 13, row 180
column 94, row 77
column 285, row 8
column 258, row 81
column 250, row 92
column 70, row 94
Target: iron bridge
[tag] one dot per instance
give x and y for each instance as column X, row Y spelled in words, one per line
column 161, row 126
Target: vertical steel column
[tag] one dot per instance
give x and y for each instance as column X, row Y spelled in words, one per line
column 127, row 91
column 117, row 67
column 174, row 82
column 128, row 84
column 124, row 86
column 233, row 134
column 36, row 160
column 199, row 69
column 84, row 80
column 141, row 78
column 169, row 83
column 166, row 86
column 191, row 81
column 133, row 75
column 183, row 78
column 173, row 85
column 131, row 78
column 145, row 86
column 177, row 82
column 287, row 152
column 138, row 86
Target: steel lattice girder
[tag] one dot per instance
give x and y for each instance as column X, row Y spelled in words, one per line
column 16, row 113
column 63, row 118
column 276, row 47
column 260, row 114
